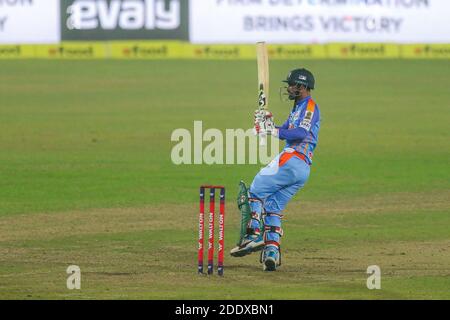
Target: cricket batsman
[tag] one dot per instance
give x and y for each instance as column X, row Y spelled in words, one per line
column 262, row 205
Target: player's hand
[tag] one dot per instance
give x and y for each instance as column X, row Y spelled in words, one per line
column 259, row 121
column 259, row 115
column 266, row 116
column 264, row 124
column 275, row 132
column 257, row 128
column 263, row 116
column 267, row 132
column 267, row 127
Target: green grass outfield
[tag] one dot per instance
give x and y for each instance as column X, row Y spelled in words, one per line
column 86, row 178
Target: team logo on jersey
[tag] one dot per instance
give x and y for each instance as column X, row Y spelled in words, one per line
column 305, row 125
column 306, row 122
column 308, row 115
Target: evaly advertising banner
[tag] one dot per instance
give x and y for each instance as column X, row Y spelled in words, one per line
column 319, row 21
column 29, row 21
column 124, row 19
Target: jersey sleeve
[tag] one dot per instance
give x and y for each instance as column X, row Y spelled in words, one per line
column 309, row 116
column 285, row 125
column 307, row 120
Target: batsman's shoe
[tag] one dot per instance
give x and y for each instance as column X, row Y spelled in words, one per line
column 271, row 257
column 249, row 244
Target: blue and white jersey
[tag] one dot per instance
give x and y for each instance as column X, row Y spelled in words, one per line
column 301, row 130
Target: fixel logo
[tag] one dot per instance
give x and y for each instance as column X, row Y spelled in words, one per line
column 145, row 51
column 290, row 52
column 221, row 52
column 10, row 51
column 122, row 14
column 67, row 52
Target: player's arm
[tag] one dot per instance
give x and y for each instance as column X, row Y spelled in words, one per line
column 292, row 134
column 307, row 121
column 284, row 126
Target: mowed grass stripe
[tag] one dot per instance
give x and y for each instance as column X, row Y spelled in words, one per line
column 150, row 252
column 78, row 135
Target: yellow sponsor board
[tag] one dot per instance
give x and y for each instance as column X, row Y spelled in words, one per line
column 145, row 49
column 219, row 52
column 362, row 51
column 294, row 52
column 16, row 51
column 72, row 50
column 148, row 49
column 425, row 51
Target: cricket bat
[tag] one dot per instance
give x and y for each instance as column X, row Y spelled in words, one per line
column 263, row 80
